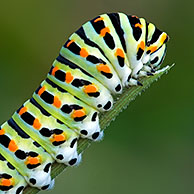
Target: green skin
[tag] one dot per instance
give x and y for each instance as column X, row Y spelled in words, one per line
column 18, row 180
column 78, row 91
column 27, row 146
column 67, row 98
column 90, row 67
column 46, row 122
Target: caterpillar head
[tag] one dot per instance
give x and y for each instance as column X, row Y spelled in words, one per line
column 155, row 47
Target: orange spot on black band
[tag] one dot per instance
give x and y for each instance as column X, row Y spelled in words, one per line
column 142, row 45
column 54, row 70
column 119, row 52
column 68, row 77
column 12, row 146
column 78, row 113
column 134, row 16
column 58, row 138
column 70, row 42
column 152, row 48
column 36, row 124
column 138, row 25
column 83, row 52
column 104, row 31
column 2, row 132
column 41, row 90
column 57, row 103
column 98, row 19
column 22, row 111
column 6, row 182
column 32, row 160
column 104, row 68
column 90, row 89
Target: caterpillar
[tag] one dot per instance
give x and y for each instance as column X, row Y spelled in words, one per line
column 105, row 55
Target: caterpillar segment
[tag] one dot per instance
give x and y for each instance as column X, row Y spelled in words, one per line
column 157, row 57
column 53, row 135
column 134, row 29
column 32, row 162
column 77, row 82
column 10, row 180
column 102, row 31
column 70, row 110
column 91, row 60
column 155, row 48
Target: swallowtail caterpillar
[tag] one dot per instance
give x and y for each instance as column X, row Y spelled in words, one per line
column 107, row 54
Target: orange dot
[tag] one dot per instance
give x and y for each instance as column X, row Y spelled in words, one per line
column 68, row 77
column 54, row 70
column 61, row 137
column 90, row 89
column 70, row 42
column 22, row 111
column 12, row 146
column 36, row 124
column 32, row 160
column 138, row 25
column 119, row 52
column 152, row 48
column 6, row 182
column 104, row 31
column 104, row 68
column 142, row 45
column 57, row 103
column 134, row 16
column 83, row 52
column 78, row 113
column 2, row 131
column 98, row 19
column 41, row 90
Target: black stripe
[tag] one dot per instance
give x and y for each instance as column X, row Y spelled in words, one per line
column 109, row 40
column 114, row 17
column 73, row 47
column 28, row 118
column 65, row 61
column 19, row 131
column 43, row 111
column 155, row 35
column 2, row 158
column 55, row 85
column 81, row 33
column 98, row 26
column 5, row 140
column 136, row 30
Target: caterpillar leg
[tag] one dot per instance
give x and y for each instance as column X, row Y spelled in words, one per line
column 134, row 82
column 154, row 62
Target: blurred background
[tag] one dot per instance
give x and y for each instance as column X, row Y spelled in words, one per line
column 149, row 149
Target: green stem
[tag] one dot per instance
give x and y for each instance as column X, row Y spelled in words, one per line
column 121, row 102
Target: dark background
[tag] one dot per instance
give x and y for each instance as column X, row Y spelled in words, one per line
column 149, row 149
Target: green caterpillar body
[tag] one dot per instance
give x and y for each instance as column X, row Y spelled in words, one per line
column 106, row 54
